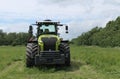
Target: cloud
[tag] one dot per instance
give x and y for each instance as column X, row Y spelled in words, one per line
column 80, row 15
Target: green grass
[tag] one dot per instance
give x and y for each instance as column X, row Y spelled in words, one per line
column 88, row 62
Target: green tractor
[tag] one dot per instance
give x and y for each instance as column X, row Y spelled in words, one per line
column 47, row 48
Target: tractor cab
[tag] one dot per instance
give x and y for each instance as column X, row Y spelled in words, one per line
column 47, row 27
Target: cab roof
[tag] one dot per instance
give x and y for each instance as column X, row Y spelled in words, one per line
column 48, row 21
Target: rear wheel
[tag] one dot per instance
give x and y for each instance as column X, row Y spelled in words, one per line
column 64, row 48
column 30, row 54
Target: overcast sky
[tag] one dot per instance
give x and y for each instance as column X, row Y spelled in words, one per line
column 80, row 15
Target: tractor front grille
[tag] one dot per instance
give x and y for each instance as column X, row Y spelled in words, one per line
column 49, row 43
column 50, row 55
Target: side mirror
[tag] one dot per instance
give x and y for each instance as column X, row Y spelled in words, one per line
column 66, row 28
column 30, row 27
column 30, row 31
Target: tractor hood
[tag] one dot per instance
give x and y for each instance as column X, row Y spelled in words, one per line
column 48, row 42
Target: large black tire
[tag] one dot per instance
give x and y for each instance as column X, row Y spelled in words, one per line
column 64, row 48
column 32, row 50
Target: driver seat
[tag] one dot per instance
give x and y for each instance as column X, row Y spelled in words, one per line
column 46, row 30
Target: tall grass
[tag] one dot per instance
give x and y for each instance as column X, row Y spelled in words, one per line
column 106, row 60
column 87, row 62
column 9, row 55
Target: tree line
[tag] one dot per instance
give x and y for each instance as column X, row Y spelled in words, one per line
column 13, row 38
column 109, row 36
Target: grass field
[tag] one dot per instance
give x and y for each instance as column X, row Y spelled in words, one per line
column 87, row 63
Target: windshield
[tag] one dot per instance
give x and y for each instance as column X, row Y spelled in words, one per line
column 47, row 29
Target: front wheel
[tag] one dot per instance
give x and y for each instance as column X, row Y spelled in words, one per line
column 30, row 54
column 67, row 59
column 65, row 49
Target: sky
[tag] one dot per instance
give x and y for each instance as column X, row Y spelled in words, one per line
column 79, row 15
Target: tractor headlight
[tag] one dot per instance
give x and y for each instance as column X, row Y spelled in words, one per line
column 40, row 42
